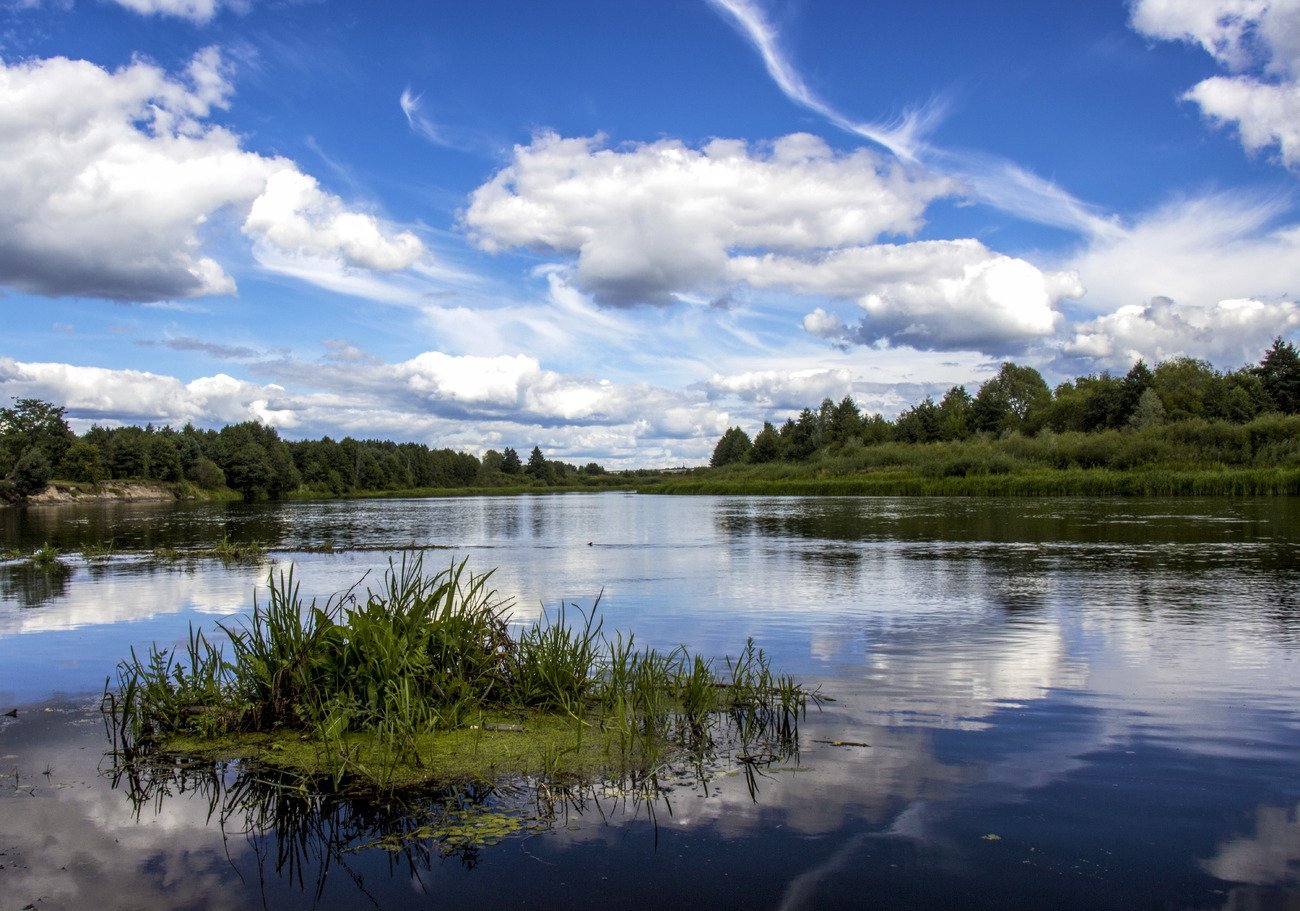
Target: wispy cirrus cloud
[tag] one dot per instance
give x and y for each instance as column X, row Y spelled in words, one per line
column 420, row 124
column 903, row 136
column 199, row 346
column 992, row 179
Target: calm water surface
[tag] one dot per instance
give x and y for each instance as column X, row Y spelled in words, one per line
column 1064, row 703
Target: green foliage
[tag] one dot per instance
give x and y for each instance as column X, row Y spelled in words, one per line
column 82, row 462
column 955, row 414
column 536, row 464
column 510, row 463
column 164, row 459
column 255, row 461
column 846, row 421
column 1150, row 411
column 801, row 437
column 1008, row 400
column 31, row 473
column 425, row 654
column 205, row 473
column 1279, row 373
column 34, row 424
column 128, row 453
column 733, row 447
column 767, row 445
column 919, row 424
column 1075, row 482
column 1182, row 416
column 491, row 464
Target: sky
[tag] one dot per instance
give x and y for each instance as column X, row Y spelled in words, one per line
column 615, row 229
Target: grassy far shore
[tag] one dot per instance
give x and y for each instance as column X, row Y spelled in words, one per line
column 806, row 480
column 1034, row 483
column 1189, row 458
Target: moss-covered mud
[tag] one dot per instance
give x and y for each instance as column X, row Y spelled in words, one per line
column 498, row 746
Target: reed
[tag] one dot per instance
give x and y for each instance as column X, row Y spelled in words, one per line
column 1156, row 482
column 45, row 556
column 371, row 688
column 99, row 552
column 235, row 552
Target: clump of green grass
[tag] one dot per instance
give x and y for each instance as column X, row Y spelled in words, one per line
column 98, row 552
column 422, row 678
column 46, row 558
column 229, row 551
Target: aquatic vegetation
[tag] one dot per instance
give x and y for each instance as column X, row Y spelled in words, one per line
column 46, row 558
column 46, row 555
column 235, row 552
column 98, row 552
column 226, row 551
column 422, row 679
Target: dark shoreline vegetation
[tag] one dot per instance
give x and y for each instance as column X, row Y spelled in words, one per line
column 1181, row 428
column 421, row 682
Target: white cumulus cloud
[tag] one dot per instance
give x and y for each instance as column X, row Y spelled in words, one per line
column 131, row 396
column 1266, row 114
column 469, row 402
column 648, row 221
column 1229, row 333
column 1258, row 41
column 1211, row 277
column 296, row 216
column 782, row 389
column 114, row 182
column 934, row 295
column 199, row 11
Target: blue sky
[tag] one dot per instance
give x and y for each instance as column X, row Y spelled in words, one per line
column 615, row 229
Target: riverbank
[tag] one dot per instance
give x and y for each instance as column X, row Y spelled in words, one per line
column 59, row 492
column 1039, row 483
column 514, row 490
column 791, row 481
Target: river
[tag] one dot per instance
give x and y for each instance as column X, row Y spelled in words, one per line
column 1067, row 703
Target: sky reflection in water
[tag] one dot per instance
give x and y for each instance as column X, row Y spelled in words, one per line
column 1109, row 687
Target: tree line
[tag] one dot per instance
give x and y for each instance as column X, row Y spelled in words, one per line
column 1018, row 401
column 251, row 459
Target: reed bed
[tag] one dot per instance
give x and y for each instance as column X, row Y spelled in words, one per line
column 422, row 678
column 1030, row 483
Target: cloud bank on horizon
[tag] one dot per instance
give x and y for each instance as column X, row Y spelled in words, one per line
column 210, row 222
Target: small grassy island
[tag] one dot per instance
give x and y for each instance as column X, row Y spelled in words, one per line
column 422, row 682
